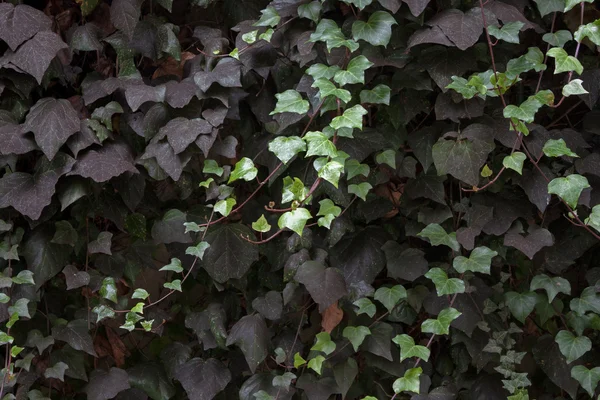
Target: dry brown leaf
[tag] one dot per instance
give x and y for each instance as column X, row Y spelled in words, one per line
column 171, row 66
column 332, row 316
column 119, row 351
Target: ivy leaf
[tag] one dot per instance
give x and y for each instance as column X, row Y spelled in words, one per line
column 244, row 169
column 390, row 297
column 173, row 285
column 294, row 220
column 365, row 306
column 361, row 190
column 329, row 32
column 298, row 360
column 590, row 31
column 376, row 31
column 438, row 236
column 568, row 188
column 198, row 250
column 224, row 207
column 284, row 381
column 316, row 364
column 443, row 284
column 324, row 343
column 211, row 167
column 509, row 32
column 174, row 265
column 594, row 218
column 21, row 22
column 319, row 145
column 410, row 382
column 325, row 285
column 520, row 304
column 564, row 62
column 354, row 73
column 441, row 325
column 269, row 306
column 250, row 37
column 331, row 172
column 479, row 261
column 589, row 300
column 261, row 225
column 409, row 349
column 462, row 86
column 140, row 294
column 557, row 148
column 108, row 290
column 327, row 211
column 387, row 157
column 310, row 11
column 326, row 89
column 355, row 168
column 285, row 148
column 588, row 378
column 558, row 38
column 76, row 335
column 361, row 4
column 546, row 7
column 569, row 4
column 462, row 159
column 571, row 346
column 202, row 379
column 318, row 71
column 290, row 101
column 552, row 286
column 515, row 162
column 351, row 118
column 525, row 112
column 269, row 17
column 356, row 335
column 574, row 88
column 380, row 94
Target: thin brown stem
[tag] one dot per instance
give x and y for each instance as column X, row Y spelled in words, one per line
column 537, row 89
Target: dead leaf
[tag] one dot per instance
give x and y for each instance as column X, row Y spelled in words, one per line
column 119, row 351
column 171, row 66
column 332, row 316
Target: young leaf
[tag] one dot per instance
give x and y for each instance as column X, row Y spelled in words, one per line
column 564, row 62
column 147, row 325
column 269, row 17
column 438, row 236
column 569, row 188
column 326, row 89
column 588, row 378
column 355, row 168
column 285, row 148
column 138, row 308
column 294, row 220
column 552, row 286
column 198, row 250
column 298, row 360
column 387, row 157
column 224, row 207
column 509, row 32
column 316, row 364
column 410, row 382
column 261, row 225
column 365, row 306
column 462, row 86
column 290, row 101
column 174, row 265
column 515, row 161
column 443, row 284
column 211, row 167
column 594, row 218
column 574, row 88
column 479, row 261
column 390, row 297
column 319, row 145
column 571, row 346
column 557, row 148
column 380, row 94
column 140, row 294
column 250, row 37
column 356, row 335
column 441, row 325
column 520, row 304
column 354, row 73
column 323, row 343
column 361, row 190
column 409, row 349
column 175, row 285
column 376, row 31
column 590, row 31
column 108, row 290
column 331, row 171
column 351, row 118
column 244, row 169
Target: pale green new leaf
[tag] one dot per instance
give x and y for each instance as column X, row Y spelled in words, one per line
column 380, row 94
column 409, row 349
column 298, row 360
column 294, row 220
column 198, row 250
column 558, row 38
column 269, row 17
column 574, row 88
column 326, row 89
column 361, row 4
column 175, row 285
column 438, row 236
column 319, row 145
column 557, row 148
column 552, row 286
column 390, row 297
column 564, row 62
column 211, row 167
column 318, row 71
column 316, row 364
column 140, row 294
column 361, row 190
column 590, row 31
column 376, row 31
column 261, row 225
column 174, row 265
column 461, row 85
column 244, row 169
column 441, row 325
column 571, row 346
column 365, row 306
column 323, row 343
column 224, row 207
column 568, row 188
column 509, row 32
column 354, row 73
column 593, row 219
column 290, row 101
column 443, row 284
column 480, row 260
column 250, row 37
column 386, row 157
column 515, row 161
column 285, row 148
column 410, row 382
column 108, row 290
column 351, row 118
column 355, row 168
column 356, row 335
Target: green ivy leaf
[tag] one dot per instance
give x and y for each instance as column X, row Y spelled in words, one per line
column 386, row 157
column 261, row 225
column 319, row 145
column 103, row 312
column 593, row 219
column 310, row 11
column 558, row 38
column 365, row 306
column 298, row 360
column 509, row 32
column 380, row 94
column 355, row 168
column 486, row 172
column 443, row 284
column 174, row 265
column 354, row 73
column 4, row 298
column 331, row 171
column 515, row 162
column 250, row 37
column 327, row 211
column 318, row 71
column 390, row 297
column 284, row 380
column 571, row 346
column 574, row 88
column 266, row 35
column 269, row 17
column 316, row 364
column 198, row 250
column 351, row 118
column 590, row 31
column 410, row 382
column 552, row 286
column 588, row 378
column 356, row 335
column 462, row 86
column 147, row 325
column 244, row 169
column 131, row 319
column 525, row 112
column 294, row 220
column 329, row 32
column 361, row 190
column 140, row 294
column 479, row 261
column 557, row 148
column 569, row 4
column 323, row 343
column 438, row 236
column 589, row 300
column 285, row 148
column 409, row 349
column 290, row 101
column 326, row 89
column 224, row 207
column 293, row 189
column 564, row 62
column 520, row 304
column 568, row 188
column 108, row 290
column 376, row 31
column 24, row 277
column 211, row 167
column 138, row 308
column 441, row 325
column 174, row 285
column 361, row 4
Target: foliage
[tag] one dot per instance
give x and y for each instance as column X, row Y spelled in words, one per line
column 299, row 199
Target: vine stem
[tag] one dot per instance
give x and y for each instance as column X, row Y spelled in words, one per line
column 537, row 88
